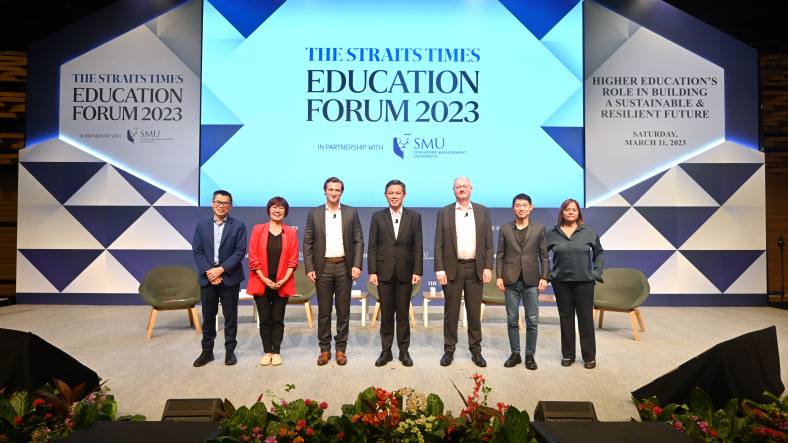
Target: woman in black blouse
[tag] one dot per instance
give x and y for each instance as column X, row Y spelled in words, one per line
column 573, row 278
column 273, row 256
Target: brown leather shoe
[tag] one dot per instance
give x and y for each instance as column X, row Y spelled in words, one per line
column 341, row 358
column 324, row 358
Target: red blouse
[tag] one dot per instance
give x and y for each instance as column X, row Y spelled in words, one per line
column 258, row 259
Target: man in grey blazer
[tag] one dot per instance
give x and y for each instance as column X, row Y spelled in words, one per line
column 463, row 261
column 522, row 248
column 333, row 257
column 396, row 261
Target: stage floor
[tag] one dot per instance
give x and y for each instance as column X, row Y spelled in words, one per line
column 143, row 373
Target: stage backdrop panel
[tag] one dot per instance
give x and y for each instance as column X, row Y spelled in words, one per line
column 671, row 148
column 101, row 202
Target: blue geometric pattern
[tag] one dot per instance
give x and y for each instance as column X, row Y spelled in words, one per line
column 246, row 15
column 61, row 266
column 539, row 16
column 570, row 140
column 722, row 268
column 676, row 224
column 63, row 179
column 106, row 223
column 720, row 180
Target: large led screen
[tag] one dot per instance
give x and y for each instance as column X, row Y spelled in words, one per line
column 422, row 91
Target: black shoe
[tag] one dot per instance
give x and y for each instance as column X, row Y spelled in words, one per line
column 203, row 359
column 513, row 361
column 589, row 365
column 404, row 357
column 530, row 363
column 567, row 362
column 478, row 359
column 384, row 358
column 230, row 359
column 447, row 358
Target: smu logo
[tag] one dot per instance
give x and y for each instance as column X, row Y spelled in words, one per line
column 399, row 145
column 131, row 134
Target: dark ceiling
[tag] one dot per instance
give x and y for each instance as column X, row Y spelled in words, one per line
column 763, row 24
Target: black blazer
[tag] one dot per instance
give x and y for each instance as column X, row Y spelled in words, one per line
column 406, row 253
column 315, row 239
column 512, row 259
column 446, row 240
column 232, row 250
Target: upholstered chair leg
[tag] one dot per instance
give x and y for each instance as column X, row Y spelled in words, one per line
column 308, row 307
column 640, row 320
column 193, row 311
column 412, row 317
column 634, row 325
column 375, row 314
column 601, row 317
column 152, row 320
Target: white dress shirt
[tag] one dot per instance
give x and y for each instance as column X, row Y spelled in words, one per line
column 396, row 217
column 334, row 246
column 466, row 232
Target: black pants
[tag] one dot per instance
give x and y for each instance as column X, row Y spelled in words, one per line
column 210, row 295
column 466, row 279
column 576, row 298
column 394, row 299
column 334, row 280
column 271, row 312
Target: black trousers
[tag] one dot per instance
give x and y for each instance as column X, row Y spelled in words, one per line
column 576, row 298
column 210, row 296
column 394, row 299
column 466, row 279
column 334, row 280
column 271, row 312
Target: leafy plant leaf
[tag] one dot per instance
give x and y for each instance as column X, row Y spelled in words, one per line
column 368, row 395
column 229, row 409
column 259, row 415
column 137, row 417
column 730, row 408
column 109, row 408
column 516, row 425
column 243, row 417
column 348, row 409
column 721, row 424
column 272, row 428
column 6, row 410
column 701, row 405
column 337, row 423
column 85, row 414
column 21, row 403
column 434, row 405
column 667, row 412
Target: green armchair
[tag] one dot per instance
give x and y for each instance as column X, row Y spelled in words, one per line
column 305, row 290
column 168, row 288
column 373, row 291
column 493, row 296
column 624, row 290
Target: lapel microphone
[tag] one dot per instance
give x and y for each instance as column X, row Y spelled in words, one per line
column 335, row 216
column 466, row 214
column 396, row 220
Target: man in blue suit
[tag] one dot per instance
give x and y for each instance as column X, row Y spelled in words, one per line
column 219, row 245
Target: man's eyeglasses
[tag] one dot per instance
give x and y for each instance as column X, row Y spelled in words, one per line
column 221, row 204
column 463, row 187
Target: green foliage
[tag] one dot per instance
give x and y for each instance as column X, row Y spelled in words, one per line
column 434, row 405
column 517, row 426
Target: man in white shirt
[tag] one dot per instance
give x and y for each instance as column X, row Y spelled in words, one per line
column 463, row 262
column 395, row 262
column 333, row 257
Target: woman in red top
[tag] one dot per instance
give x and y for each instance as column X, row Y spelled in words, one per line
column 273, row 256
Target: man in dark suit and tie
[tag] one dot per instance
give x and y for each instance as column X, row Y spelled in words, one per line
column 522, row 247
column 333, row 257
column 219, row 245
column 463, row 261
column 396, row 261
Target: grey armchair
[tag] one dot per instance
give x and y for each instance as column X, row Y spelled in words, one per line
column 168, row 288
column 624, row 290
column 373, row 292
column 305, row 290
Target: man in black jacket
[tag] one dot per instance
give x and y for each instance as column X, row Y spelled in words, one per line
column 395, row 259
